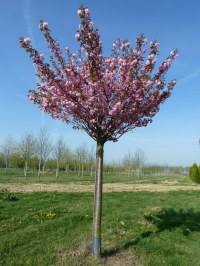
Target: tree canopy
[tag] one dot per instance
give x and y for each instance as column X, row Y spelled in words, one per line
column 105, row 96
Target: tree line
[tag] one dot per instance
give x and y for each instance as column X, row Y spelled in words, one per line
column 40, row 154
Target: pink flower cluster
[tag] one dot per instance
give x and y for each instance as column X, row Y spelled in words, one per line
column 43, row 25
column 105, row 96
column 26, row 41
column 83, row 12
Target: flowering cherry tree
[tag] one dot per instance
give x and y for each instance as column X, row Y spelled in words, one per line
column 104, row 96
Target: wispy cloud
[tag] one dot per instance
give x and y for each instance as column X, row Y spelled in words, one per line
column 27, row 18
column 194, row 74
column 29, row 28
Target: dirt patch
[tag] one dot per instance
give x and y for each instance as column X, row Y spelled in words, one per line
column 37, row 187
column 121, row 259
column 170, row 182
column 113, row 257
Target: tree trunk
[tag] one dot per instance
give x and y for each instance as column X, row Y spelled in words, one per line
column 96, row 238
column 91, row 171
column 57, row 169
column 43, row 168
column 25, row 168
column 6, row 168
column 79, row 170
column 82, row 170
column 39, row 169
column 138, row 172
column 66, row 168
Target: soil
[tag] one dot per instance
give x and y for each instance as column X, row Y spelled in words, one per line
column 37, row 187
column 122, row 259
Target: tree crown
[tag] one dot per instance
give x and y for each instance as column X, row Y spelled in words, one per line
column 105, row 96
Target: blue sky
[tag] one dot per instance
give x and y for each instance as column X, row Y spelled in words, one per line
column 172, row 138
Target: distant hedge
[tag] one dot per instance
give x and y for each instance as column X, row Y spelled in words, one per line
column 194, row 173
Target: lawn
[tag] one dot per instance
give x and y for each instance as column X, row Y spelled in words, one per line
column 55, row 228
column 16, row 176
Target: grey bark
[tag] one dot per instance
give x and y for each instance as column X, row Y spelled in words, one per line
column 96, row 238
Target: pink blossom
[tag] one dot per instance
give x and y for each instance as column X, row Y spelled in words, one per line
column 27, row 40
column 154, row 44
column 165, row 65
column 122, row 47
column 154, row 61
column 148, row 63
column 45, row 25
column 41, row 57
column 144, row 41
column 151, row 56
column 91, row 25
column 87, row 12
column 79, row 12
column 77, row 36
column 127, row 44
column 31, row 97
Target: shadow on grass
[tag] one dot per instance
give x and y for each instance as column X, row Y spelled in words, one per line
column 169, row 219
column 111, row 252
column 165, row 219
column 116, row 250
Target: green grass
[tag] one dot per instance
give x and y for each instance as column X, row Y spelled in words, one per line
column 55, row 228
column 16, row 176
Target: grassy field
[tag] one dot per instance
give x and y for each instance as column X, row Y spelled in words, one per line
column 55, row 228
column 16, row 176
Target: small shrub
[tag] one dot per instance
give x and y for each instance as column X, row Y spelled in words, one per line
column 194, row 173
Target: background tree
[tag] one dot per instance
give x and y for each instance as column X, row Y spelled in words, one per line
column 43, row 148
column 91, row 160
column 139, row 160
column 82, row 155
column 59, row 152
column 27, row 148
column 8, row 149
column 1, row 159
column 104, row 96
column 67, row 156
column 127, row 162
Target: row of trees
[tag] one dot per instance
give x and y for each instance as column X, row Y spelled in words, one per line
column 38, row 152
column 134, row 163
